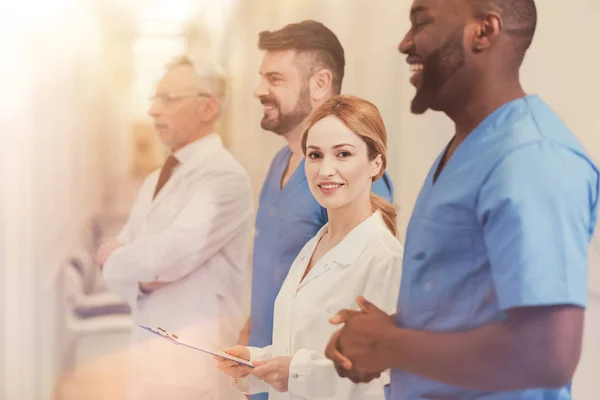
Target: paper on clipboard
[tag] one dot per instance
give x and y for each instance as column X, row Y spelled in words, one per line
column 175, row 340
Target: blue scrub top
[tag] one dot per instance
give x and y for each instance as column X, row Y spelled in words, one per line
column 507, row 224
column 286, row 219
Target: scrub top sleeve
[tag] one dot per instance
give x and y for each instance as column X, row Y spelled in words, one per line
column 537, row 210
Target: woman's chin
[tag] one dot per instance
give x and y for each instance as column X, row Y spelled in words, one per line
column 331, row 203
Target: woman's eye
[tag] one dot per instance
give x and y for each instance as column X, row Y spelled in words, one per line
column 314, row 156
column 344, row 154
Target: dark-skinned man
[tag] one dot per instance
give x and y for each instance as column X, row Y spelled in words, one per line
column 494, row 283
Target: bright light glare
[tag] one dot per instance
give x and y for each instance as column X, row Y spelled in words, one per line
column 169, row 10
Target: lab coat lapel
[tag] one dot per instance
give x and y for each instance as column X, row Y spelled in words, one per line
column 322, row 266
column 171, row 184
column 209, row 145
column 303, row 259
column 347, row 251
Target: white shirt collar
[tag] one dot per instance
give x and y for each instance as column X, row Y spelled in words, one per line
column 186, row 153
column 352, row 246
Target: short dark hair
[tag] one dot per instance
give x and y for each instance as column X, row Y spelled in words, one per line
column 311, row 38
column 519, row 16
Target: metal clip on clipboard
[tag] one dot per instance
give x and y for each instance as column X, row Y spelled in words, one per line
column 175, row 340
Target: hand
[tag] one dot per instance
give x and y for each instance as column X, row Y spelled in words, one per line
column 354, row 348
column 343, row 365
column 106, row 250
column 149, row 287
column 275, row 372
column 232, row 368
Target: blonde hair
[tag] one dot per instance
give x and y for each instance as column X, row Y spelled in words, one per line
column 363, row 118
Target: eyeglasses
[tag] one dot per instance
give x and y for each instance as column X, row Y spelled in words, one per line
column 171, row 98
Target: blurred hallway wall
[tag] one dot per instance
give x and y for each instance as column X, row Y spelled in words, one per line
column 64, row 121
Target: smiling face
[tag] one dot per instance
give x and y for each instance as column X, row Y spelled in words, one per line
column 284, row 91
column 435, row 46
column 337, row 165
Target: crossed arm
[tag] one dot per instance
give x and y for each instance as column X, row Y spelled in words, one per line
column 214, row 213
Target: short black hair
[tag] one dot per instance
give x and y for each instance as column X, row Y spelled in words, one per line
column 312, row 38
column 519, row 16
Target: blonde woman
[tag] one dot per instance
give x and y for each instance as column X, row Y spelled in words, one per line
column 355, row 254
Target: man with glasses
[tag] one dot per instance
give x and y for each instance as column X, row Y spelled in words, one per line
column 180, row 260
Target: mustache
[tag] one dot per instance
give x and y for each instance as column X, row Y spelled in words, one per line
column 266, row 100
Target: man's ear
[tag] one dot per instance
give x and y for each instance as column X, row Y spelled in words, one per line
column 487, row 31
column 210, row 109
column 320, row 84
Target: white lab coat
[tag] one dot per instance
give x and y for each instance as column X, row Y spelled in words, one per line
column 368, row 262
column 195, row 235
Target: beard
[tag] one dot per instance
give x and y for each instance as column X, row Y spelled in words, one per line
column 283, row 123
column 438, row 68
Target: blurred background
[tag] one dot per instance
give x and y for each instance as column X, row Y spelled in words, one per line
column 76, row 143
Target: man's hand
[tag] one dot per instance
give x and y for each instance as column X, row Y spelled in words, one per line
column 356, row 348
column 106, row 250
column 275, row 372
column 232, row 368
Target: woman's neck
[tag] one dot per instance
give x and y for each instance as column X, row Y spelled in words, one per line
column 344, row 219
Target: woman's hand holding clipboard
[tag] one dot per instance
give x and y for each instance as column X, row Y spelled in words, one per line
column 219, row 355
column 233, row 368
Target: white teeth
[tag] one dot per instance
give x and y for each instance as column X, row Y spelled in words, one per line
column 331, row 186
column 416, row 67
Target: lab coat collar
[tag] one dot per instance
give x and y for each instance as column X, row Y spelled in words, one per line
column 353, row 245
column 344, row 253
column 189, row 153
column 191, row 157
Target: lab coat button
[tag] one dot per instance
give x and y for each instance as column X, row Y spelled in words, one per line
column 295, row 376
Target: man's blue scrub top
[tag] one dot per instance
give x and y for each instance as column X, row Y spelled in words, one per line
column 507, row 224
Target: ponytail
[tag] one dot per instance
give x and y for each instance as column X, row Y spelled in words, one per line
column 388, row 212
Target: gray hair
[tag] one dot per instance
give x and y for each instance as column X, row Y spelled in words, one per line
column 213, row 79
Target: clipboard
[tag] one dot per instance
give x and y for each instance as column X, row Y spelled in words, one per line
column 175, row 340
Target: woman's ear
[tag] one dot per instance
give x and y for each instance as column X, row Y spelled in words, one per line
column 376, row 165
